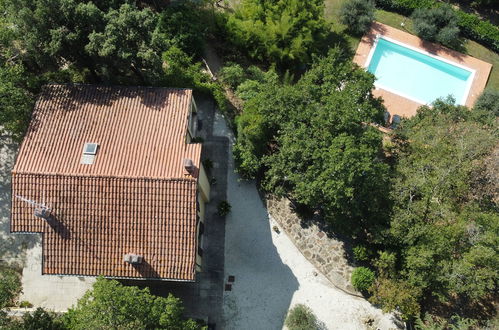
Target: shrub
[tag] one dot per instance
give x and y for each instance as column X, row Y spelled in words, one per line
column 223, row 208
column 41, row 319
column 357, row 15
column 360, row 253
column 393, row 294
column 362, row 278
column 301, row 317
column 437, row 24
column 10, row 286
column 471, row 25
column 232, row 75
column 488, row 101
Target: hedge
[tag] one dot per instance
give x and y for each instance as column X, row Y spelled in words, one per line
column 471, row 25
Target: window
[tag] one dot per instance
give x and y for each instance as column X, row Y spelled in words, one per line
column 90, row 148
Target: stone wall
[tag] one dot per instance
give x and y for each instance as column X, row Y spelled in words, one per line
column 325, row 253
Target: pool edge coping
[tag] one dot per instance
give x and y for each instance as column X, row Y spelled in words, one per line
column 401, row 105
column 469, row 81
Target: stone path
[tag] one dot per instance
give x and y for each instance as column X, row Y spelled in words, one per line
column 325, row 253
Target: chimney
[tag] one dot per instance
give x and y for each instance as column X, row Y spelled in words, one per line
column 189, row 165
column 42, row 212
column 133, row 259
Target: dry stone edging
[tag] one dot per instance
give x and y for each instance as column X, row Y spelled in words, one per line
column 326, row 254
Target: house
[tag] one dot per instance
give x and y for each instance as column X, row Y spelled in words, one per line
column 110, row 178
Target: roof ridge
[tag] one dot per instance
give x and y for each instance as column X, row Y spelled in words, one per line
column 118, row 86
column 103, row 176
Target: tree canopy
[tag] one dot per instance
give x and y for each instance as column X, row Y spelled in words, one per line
column 315, row 144
column 110, row 305
column 284, row 32
column 445, row 223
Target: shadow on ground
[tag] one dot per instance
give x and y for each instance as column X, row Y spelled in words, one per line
column 264, row 285
column 12, row 246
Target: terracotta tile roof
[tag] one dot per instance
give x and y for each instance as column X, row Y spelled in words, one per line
column 135, row 198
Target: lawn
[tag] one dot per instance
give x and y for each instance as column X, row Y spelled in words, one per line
column 392, row 19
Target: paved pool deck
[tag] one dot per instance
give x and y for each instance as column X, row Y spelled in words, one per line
column 398, row 105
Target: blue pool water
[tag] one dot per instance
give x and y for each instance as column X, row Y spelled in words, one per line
column 416, row 75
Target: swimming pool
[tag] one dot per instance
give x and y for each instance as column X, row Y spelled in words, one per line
column 417, row 75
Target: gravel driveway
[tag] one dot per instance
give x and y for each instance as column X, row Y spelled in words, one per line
column 271, row 275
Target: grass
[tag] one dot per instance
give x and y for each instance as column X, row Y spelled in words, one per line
column 392, row 19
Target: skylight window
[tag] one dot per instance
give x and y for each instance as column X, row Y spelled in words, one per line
column 90, row 148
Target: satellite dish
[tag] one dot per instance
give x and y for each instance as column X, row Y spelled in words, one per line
column 41, row 210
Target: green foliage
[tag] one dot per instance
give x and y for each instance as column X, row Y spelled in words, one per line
column 15, row 101
column 114, row 41
column 471, row 25
column 76, row 41
column 478, row 29
column 454, row 323
column 488, row 102
column 181, row 71
column 301, row 317
column 437, row 24
column 362, row 278
column 396, row 295
column 10, row 286
column 39, row 319
column 25, row 304
column 110, row 305
column 360, row 253
column 233, row 75
column 285, row 32
column 445, row 219
column 129, row 41
column 312, row 140
column 386, row 264
column 223, row 208
column 184, row 22
column 357, row 15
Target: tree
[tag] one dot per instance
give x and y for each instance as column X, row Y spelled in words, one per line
column 437, row 24
column 301, row 317
column 285, row 32
column 444, row 220
column 313, row 141
column 357, row 15
column 112, row 41
column 110, row 305
column 15, row 102
column 129, row 40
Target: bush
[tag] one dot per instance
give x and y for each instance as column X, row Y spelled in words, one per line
column 437, row 24
column 488, row 102
column 301, row 317
column 10, row 286
column 223, row 208
column 41, row 319
column 396, row 295
column 362, row 278
column 360, row 253
column 471, row 25
column 232, row 75
column 357, row 15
